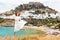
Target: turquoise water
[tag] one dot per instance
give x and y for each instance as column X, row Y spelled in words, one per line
column 9, row 31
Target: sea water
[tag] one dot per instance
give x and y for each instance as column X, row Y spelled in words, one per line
column 9, row 31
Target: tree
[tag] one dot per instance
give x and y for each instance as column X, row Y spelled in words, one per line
column 58, row 26
column 37, row 12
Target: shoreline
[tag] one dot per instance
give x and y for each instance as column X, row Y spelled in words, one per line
column 48, row 30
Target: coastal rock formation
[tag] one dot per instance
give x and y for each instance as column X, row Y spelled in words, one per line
column 7, row 22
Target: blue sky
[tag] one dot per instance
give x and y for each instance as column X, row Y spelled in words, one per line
column 6, row 5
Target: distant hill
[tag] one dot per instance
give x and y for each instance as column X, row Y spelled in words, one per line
column 38, row 8
column 31, row 6
column 35, row 6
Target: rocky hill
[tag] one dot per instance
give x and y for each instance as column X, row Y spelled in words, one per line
column 35, row 6
column 31, row 6
column 38, row 8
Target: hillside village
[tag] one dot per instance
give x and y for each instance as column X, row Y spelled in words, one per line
column 35, row 13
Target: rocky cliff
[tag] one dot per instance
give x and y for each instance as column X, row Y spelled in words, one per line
column 6, row 22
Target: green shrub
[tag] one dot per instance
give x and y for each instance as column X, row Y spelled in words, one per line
column 1, row 20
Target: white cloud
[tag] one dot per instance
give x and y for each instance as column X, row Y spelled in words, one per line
column 10, row 4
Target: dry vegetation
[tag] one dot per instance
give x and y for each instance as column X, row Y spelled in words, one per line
column 32, row 38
